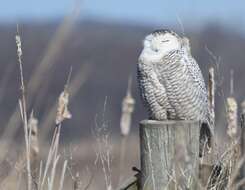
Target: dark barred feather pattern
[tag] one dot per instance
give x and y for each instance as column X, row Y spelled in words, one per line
column 174, row 88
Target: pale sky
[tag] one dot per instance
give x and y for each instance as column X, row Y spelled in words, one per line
column 191, row 12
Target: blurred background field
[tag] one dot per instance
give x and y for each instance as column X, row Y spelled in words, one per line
column 101, row 41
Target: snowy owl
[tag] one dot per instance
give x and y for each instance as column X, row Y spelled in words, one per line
column 170, row 80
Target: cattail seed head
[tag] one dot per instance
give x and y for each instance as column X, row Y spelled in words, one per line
column 33, row 129
column 18, row 44
column 127, row 110
column 62, row 110
column 232, row 117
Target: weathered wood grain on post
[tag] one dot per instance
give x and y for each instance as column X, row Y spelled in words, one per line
column 169, row 154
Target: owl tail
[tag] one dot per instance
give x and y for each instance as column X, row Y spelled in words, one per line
column 206, row 140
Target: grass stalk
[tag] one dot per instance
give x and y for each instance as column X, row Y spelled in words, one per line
column 22, row 103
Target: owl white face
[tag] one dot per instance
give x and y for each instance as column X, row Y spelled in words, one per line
column 158, row 45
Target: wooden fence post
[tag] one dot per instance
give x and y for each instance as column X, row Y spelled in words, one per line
column 169, row 154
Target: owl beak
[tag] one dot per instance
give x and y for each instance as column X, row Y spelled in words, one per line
column 154, row 49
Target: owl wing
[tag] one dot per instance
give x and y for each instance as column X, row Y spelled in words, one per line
column 207, row 127
column 196, row 74
column 195, row 71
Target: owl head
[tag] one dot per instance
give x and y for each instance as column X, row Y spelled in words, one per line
column 159, row 43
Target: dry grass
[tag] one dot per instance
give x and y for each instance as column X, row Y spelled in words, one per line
column 52, row 170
